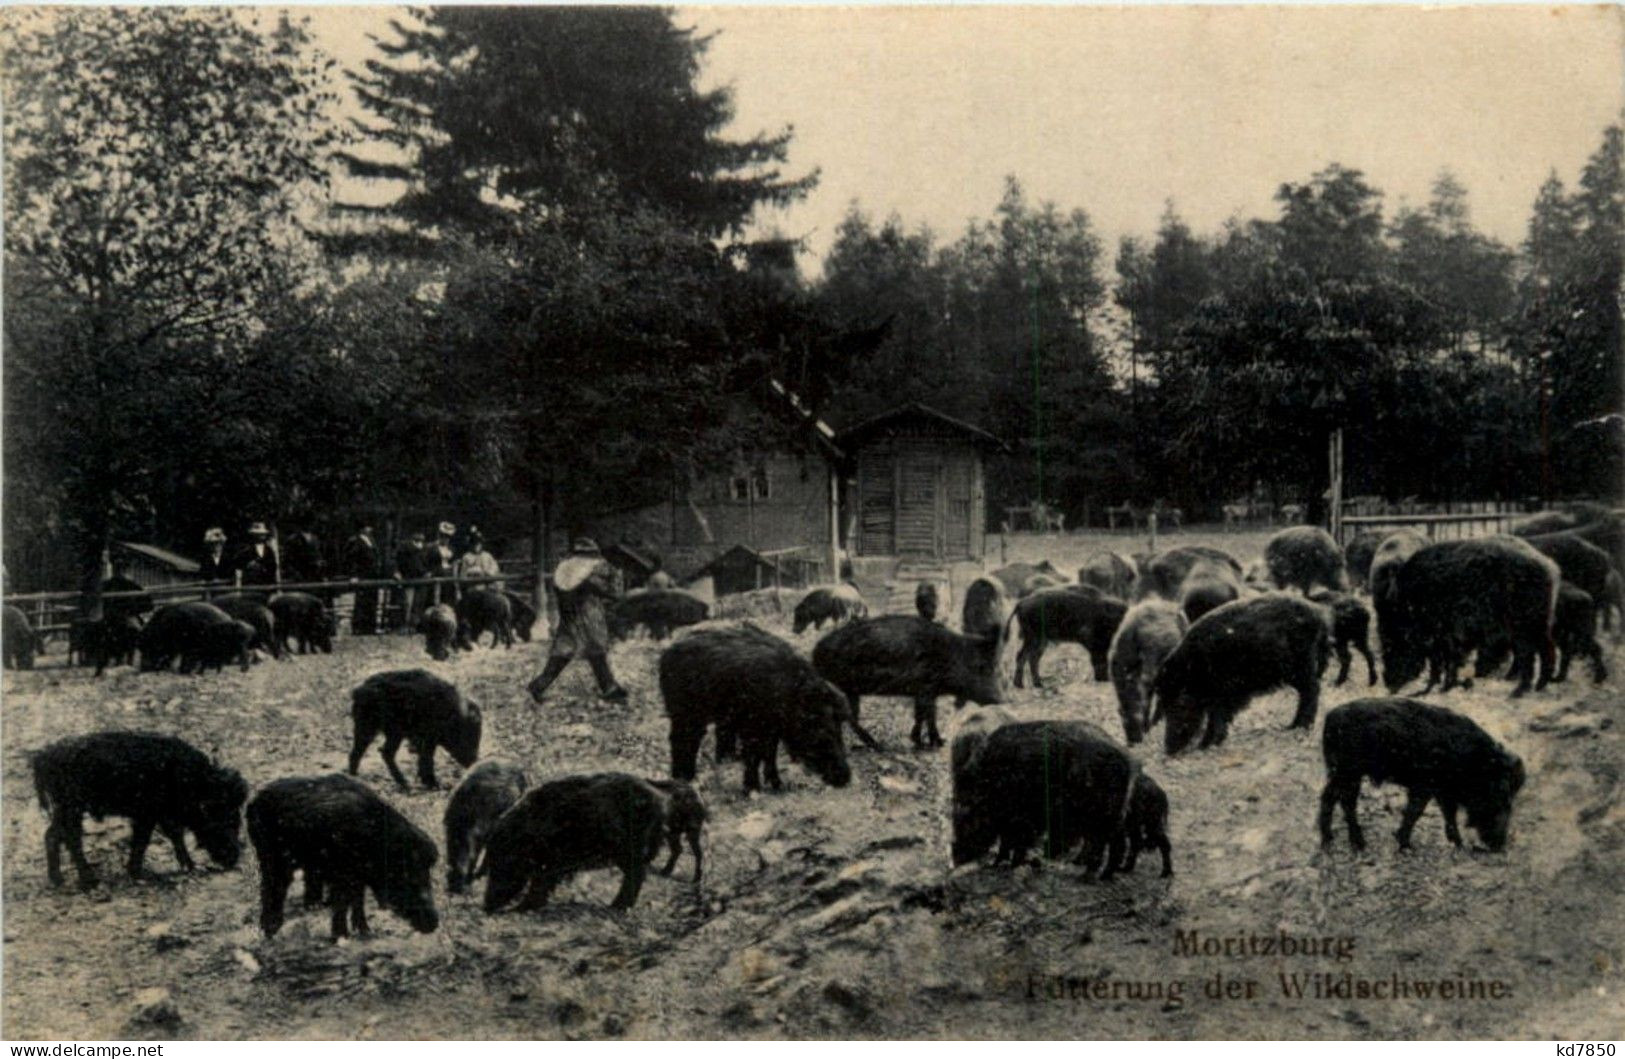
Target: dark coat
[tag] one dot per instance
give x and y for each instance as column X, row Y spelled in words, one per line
column 212, row 569
column 437, row 561
column 409, row 562
column 360, row 558
column 257, row 569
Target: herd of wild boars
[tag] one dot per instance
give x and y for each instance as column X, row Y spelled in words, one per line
column 1187, row 638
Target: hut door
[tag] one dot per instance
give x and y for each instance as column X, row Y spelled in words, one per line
column 958, row 487
column 877, row 499
column 918, row 510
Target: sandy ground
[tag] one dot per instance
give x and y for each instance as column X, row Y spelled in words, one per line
column 833, row 913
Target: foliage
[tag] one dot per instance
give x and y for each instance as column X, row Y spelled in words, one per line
column 155, row 162
column 562, row 109
column 992, row 328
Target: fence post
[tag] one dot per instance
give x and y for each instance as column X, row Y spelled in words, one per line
column 1151, row 527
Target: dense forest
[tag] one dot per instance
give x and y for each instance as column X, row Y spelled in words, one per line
column 560, row 307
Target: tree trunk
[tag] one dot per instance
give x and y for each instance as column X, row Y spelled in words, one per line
column 538, row 544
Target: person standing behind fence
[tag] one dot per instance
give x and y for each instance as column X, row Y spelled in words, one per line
column 361, row 564
column 214, row 565
column 409, row 566
column 437, row 560
column 257, row 563
column 477, row 562
column 584, row 583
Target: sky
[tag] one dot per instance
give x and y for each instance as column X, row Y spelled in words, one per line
column 923, row 111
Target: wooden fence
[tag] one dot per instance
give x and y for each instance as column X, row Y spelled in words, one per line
column 53, row 613
column 1434, row 527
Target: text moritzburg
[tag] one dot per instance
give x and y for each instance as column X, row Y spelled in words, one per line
column 1254, row 945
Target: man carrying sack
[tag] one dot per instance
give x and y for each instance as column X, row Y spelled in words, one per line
column 585, row 582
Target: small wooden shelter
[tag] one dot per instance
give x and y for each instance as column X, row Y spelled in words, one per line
column 151, row 566
column 918, row 490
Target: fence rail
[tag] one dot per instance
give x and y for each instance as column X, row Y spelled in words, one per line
column 1434, row 527
column 53, row 613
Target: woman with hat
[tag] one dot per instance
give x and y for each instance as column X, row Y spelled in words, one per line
column 477, row 562
column 437, row 563
column 584, row 581
column 214, row 565
column 256, row 564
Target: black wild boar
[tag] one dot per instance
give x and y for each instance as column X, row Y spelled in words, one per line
column 1245, row 648
column 487, row 791
column 757, row 690
column 20, row 642
column 442, row 632
column 900, row 654
column 1063, row 780
column 1148, row 635
column 1020, row 580
column 1146, row 827
column 658, row 610
column 1302, row 557
column 831, row 603
column 970, row 731
column 1543, row 522
column 1163, row 574
column 1392, row 555
column 1574, row 633
column 685, row 819
column 1586, row 567
column 105, row 641
column 1357, row 556
column 1431, row 752
column 1110, row 572
column 1079, row 614
column 524, row 615
column 483, row 610
column 1351, row 627
column 215, row 645
column 305, row 618
column 926, row 601
column 252, row 609
column 578, row 823
column 417, row 707
column 156, row 781
column 1607, row 533
column 1454, row 597
column 985, row 611
column 346, row 840
column 1207, row 586
column 174, row 631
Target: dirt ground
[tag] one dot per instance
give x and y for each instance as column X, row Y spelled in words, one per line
column 833, row 913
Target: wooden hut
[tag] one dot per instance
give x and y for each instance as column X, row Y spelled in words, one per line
column 918, row 487
column 151, row 566
column 742, row 569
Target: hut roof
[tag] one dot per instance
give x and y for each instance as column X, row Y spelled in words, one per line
column 890, row 422
column 738, row 553
column 179, row 563
column 621, row 554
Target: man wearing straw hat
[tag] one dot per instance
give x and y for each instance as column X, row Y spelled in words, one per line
column 214, row 566
column 256, row 564
column 584, row 582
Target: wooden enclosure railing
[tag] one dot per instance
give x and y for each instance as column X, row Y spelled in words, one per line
column 1434, row 527
column 53, row 613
